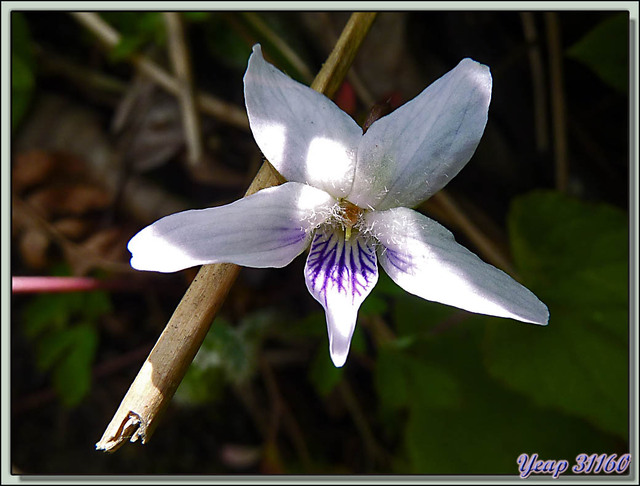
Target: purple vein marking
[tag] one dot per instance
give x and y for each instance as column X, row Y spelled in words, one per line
column 345, row 267
column 399, row 260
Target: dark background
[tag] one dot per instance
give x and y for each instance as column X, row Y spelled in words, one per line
column 427, row 389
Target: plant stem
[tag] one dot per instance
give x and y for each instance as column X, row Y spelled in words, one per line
column 150, row 393
column 48, row 284
column 486, row 247
column 270, row 35
column 179, row 54
column 558, row 119
column 537, row 81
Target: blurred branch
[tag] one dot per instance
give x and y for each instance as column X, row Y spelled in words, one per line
column 150, row 393
column 373, row 449
column 330, row 38
column 337, row 65
column 102, row 370
column 258, row 24
column 180, row 59
column 282, row 409
column 557, row 101
column 81, row 76
column 540, row 116
column 223, row 111
column 486, row 247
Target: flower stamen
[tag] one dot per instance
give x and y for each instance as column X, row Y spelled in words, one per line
column 350, row 216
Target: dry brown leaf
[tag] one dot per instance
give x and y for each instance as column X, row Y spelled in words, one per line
column 109, row 244
column 72, row 228
column 31, row 168
column 69, row 199
column 33, row 245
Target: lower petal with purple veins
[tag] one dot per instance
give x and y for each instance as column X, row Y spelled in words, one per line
column 340, row 274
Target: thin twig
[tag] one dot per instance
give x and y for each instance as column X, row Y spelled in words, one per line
column 100, row 371
column 150, row 393
column 244, row 393
column 283, row 411
column 179, row 54
column 487, row 248
column 360, row 88
column 270, row 35
column 540, row 115
column 223, row 111
column 330, row 38
column 374, row 450
column 83, row 77
column 557, row 101
column 332, row 74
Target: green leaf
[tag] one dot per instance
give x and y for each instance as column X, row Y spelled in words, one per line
column 387, row 287
column 45, row 312
column 392, row 382
column 62, row 328
column 95, row 304
column 573, row 255
column 403, row 378
column 125, row 48
column 200, row 386
column 226, row 348
column 52, row 347
column 68, row 354
column 230, row 349
column 373, row 305
column 55, row 311
column 197, row 16
column 477, row 426
column 358, row 341
column 225, row 43
column 228, row 354
column 72, row 374
column 23, row 78
column 416, row 317
column 605, row 50
column 137, row 29
column 323, row 375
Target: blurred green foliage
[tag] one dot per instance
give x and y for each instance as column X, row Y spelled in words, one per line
column 466, row 422
column 574, row 255
column 228, row 355
column 478, row 390
column 226, row 43
column 23, row 67
column 605, row 50
column 137, row 30
column 62, row 328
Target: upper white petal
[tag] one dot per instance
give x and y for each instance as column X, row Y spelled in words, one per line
column 423, row 258
column 267, row 229
column 409, row 155
column 304, row 135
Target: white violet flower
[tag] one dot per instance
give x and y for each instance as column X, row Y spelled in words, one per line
column 348, row 197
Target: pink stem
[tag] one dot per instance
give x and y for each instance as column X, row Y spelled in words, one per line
column 30, row 285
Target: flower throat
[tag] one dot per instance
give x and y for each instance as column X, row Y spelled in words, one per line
column 350, row 216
